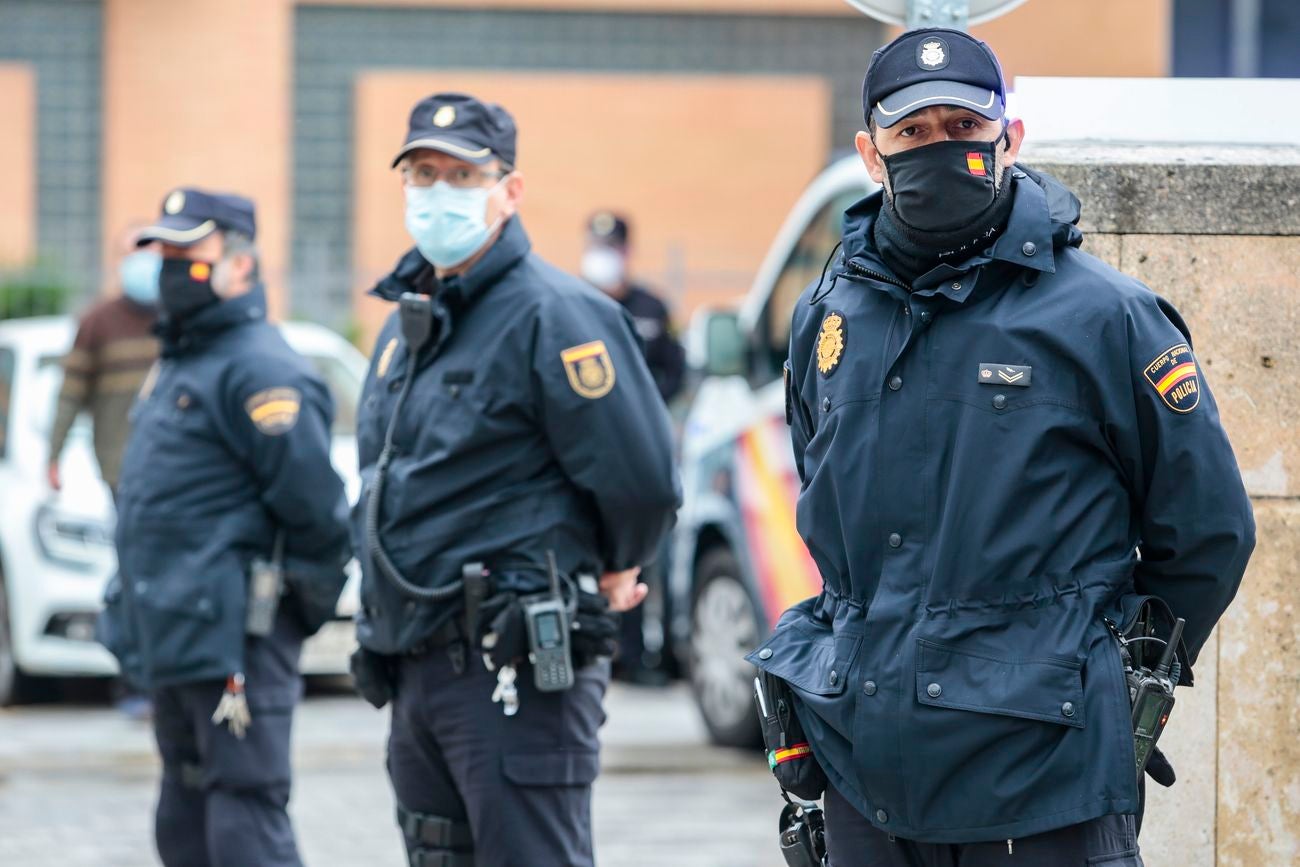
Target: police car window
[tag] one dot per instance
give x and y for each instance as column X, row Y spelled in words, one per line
column 345, row 387
column 804, row 266
column 6, row 390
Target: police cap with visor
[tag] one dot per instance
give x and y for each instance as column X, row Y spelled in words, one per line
column 463, row 127
column 932, row 66
column 189, row 215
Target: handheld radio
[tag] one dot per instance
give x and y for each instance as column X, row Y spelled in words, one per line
column 547, row 618
column 1152, row 693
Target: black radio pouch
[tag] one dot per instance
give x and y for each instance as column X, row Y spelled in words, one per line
column 788, row 753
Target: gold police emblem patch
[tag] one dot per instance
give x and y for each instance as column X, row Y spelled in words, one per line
column 444, row 116
column 385, row 358
column 274, row 411
column 589, row 368
column 830, row 343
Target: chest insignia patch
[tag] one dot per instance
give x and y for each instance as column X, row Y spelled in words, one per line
column 1174, row 376
column 274, row 411
column 830, row 343
column 589, row 368
column 1017, row 375
column 385, row 359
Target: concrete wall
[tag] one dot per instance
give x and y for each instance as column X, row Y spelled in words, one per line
column 18, row 164
column 208, row 92
column 1217, row 232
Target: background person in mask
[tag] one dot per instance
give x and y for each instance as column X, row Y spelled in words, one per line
column 990, row 425
column 226, row 479
column 605, row 266
column 109, row 360
column 507, row 413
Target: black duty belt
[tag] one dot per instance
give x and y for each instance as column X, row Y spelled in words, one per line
column 449, row 633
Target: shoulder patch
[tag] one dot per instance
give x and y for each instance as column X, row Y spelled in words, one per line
column 385, row 358
column 589, row 368
column 830, row 343
column 274, row 411
column 1175, row 377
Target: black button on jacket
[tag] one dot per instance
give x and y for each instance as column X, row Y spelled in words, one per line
column 974, row 527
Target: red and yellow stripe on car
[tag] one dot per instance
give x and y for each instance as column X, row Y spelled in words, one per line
column 768, row 488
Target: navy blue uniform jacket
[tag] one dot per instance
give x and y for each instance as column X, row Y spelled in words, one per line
column 983, row 460
column 230, row 441
column 532, row 424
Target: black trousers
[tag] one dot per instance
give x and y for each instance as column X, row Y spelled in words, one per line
column 852, row 841
column 224, row 801
column 523, row 783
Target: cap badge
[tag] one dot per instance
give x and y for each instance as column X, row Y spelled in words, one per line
column 444, row 116
column 175, row 202
column 603, row 224
column 830, row 343
column 933, row 54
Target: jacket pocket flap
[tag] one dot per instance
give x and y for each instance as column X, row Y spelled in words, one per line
column 1050, row 690
column 809, row 656
column 560, row 768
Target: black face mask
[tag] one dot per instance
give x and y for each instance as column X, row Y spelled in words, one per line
column 185, row 287
column 943, row 187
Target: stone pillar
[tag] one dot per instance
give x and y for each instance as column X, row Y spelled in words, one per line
column 1217, row 232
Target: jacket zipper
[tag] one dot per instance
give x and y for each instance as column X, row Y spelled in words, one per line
column 876, row 275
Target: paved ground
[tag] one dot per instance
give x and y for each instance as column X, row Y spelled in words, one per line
column 77, row 785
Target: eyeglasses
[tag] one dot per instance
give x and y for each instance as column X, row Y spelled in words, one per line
column 460, row 177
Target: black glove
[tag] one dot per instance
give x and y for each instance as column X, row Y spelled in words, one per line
column 373, row 676
column 595, row 630
column 505, row 639
column 1159, row 769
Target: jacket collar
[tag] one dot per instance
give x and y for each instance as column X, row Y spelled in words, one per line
column 182, row 336
column 1042, row 220
column 413, row 272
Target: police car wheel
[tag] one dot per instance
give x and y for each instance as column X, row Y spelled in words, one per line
column 725, row 625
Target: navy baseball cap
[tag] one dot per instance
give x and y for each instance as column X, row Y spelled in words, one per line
column 933, row 66
column 608, row 229
column 189, row 215
column 461, row 126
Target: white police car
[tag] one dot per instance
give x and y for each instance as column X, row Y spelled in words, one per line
column 738, row 561
column 56, row 548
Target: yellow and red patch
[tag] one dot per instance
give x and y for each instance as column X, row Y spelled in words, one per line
column 200, row 271
column 1174, row 376
column 780, row 757
column 975, row 164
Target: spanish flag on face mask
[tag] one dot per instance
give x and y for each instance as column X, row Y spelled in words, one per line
column 975, row 163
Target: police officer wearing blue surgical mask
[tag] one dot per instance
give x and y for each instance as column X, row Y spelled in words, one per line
column 508, row 418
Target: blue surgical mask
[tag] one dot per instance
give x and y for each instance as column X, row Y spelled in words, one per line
column 138, row 272
column 449, row 225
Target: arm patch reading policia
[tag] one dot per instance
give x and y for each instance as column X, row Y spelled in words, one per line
column 1174, row 376
column 589, row 368
column 274, row 411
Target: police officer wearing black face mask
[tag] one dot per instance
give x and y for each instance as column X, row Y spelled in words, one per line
column 508, row 418
column 231, row 539
column 1004, row 444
